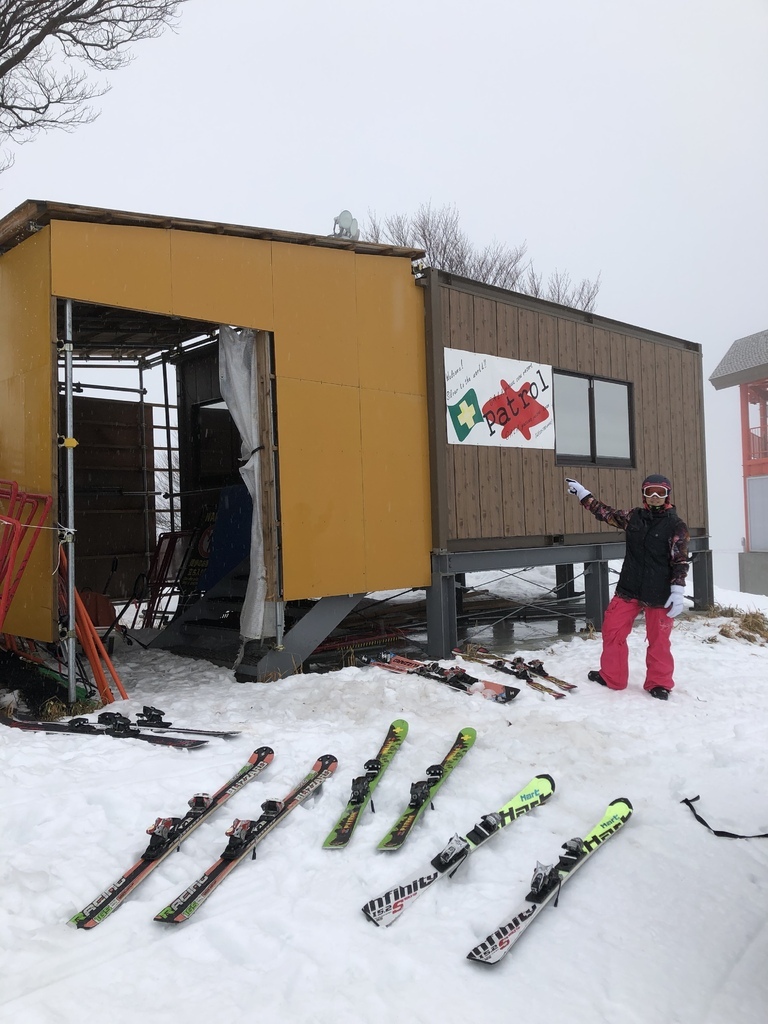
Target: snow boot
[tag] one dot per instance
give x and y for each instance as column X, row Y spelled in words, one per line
column 595, row 677
column 660, row 692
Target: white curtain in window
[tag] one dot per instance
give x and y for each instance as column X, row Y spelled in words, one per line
column 238, row 379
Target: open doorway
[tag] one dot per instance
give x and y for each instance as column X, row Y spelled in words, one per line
column 161, row 511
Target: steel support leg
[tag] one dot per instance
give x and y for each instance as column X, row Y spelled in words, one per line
column 442, row 634
column 596, row 594
column 703, row 580
column 300, row 641
column 564, row 580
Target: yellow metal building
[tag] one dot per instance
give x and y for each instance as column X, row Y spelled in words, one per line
column 345, row 321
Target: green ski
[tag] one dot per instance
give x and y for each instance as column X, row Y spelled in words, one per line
column 364, row 785
column 422, row 793
column 547, row 882
column 384, row 910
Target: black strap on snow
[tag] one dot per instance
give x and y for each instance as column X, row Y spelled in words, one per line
column 715, row 831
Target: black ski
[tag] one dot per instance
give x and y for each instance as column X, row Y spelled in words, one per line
column 152, row 720
column 119, row 727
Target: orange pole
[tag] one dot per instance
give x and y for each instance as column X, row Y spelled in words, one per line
column 94, row 648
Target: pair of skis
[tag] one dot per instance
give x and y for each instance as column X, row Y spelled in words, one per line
column 167, row 834
column 149, row 727
column 108, row 724
column 547, row 881
column 531, row 672
column 421, row 797
column 455, row 677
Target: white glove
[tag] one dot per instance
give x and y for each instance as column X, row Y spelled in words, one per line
column 675, row 601
column 576, row 488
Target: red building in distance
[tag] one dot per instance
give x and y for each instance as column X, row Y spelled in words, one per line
column 745, row 365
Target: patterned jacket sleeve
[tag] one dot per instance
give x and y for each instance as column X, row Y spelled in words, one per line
column 618, row 517
column 678, row 555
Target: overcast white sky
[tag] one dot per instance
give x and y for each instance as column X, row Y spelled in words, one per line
column 614, row 137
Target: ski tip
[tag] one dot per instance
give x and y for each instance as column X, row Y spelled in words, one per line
column 479, row 959
column 548, row 778
column 622, row 800
column 261, row 754
column 168, row 920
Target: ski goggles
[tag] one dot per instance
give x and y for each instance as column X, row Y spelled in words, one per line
column 655, row 491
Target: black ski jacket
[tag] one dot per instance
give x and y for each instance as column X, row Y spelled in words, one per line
column 657, row 550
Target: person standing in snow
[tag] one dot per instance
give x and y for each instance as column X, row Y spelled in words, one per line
column 652, row 581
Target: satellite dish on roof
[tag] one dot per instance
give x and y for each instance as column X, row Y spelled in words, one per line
column 345, row 226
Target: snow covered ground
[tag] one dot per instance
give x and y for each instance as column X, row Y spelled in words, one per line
column 666, row 925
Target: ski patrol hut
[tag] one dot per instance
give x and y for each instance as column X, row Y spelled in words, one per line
column 350, row 421
column 745, row 365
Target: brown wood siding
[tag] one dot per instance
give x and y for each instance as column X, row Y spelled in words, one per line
column 489, row 459
column 502, row 497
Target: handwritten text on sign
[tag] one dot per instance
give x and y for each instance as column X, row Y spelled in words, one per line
column 500, row 402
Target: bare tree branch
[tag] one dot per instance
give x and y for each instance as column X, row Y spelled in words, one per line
column 438, row 233
column 41, row 40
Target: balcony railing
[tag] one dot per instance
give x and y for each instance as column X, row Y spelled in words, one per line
column 758, row 443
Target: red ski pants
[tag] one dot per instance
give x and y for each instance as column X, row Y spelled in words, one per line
column 614, row 661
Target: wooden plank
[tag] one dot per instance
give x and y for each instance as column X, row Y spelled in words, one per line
column 566, row 342
column 533, row 491
column 618, row 347
column 648, row 442
column 465, row 461
column 547, row 330
column 553, row 493
column 450, row 469
column 528, row 322
column 466, row 493
column 585, row 348
column 678, row 462
column 663, row 420
column 695, row 512
column 507, row 330
column 513, row 496
column 633, row 363
column 488, row 459
column 602, row 351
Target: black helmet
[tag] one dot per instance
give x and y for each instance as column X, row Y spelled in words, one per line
column 660, row 481
column 657, row 478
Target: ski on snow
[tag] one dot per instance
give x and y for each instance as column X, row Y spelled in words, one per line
column 422, row 793
column 518, row 667
column 547, row 882
column 152, row 720
column 115, row 725
column 454, row 677
column 167, row 835
column 245, row 835
column 384, row 910
column 364, row 785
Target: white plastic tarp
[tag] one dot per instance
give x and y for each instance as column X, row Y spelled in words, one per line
column 238, row 379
